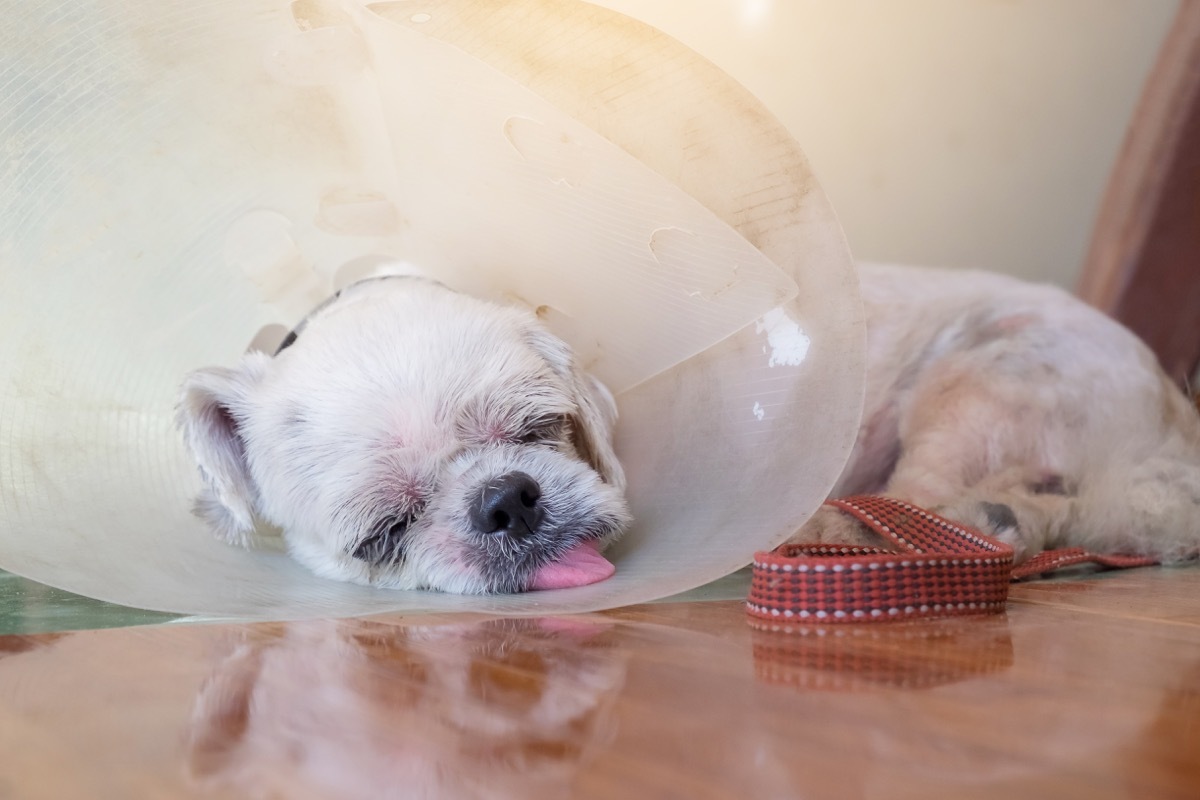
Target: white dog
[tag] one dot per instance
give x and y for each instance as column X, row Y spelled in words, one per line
column 410, row 437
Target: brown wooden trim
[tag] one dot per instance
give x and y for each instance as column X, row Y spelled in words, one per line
column 1143, row 266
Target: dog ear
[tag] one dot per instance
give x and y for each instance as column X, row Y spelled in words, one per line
column 211, row 413
column 596, row 416
column 592, row 428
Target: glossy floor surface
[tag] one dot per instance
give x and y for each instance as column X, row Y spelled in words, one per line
column 1087, row 687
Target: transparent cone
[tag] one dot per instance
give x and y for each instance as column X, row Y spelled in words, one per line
column 182, row 179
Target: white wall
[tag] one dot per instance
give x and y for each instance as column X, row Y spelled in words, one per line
column 947, row 132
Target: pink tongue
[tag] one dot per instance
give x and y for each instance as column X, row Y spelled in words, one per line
column 579, row 566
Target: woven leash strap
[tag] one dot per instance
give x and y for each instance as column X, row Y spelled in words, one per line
column 934, row 568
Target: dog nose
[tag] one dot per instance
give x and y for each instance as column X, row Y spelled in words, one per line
column 508, row 504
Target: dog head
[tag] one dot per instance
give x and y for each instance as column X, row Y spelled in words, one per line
column 411, row 437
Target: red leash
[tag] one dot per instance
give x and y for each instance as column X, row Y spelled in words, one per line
column 936, row 568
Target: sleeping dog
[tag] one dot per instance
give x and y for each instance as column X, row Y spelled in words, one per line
column 411, row 437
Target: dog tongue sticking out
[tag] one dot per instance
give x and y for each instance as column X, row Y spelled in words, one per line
column 579, row 566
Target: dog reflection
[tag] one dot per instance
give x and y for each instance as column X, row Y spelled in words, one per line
column 503, row 708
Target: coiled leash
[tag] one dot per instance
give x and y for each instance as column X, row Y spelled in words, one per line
column 936, row 568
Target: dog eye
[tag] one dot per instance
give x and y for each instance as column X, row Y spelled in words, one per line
column 399, row 527
column 544, row 431
column 385, row 543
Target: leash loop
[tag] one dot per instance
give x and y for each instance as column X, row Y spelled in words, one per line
column 933, row 568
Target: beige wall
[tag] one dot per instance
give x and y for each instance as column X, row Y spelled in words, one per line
column 946, row 132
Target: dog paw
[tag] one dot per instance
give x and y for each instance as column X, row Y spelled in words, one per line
column 995, row 519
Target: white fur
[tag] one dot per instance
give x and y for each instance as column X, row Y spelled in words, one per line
column 1011, row 407
column 403, row 398
column 984, row 391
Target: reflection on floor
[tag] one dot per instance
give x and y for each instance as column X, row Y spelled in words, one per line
column 1087, row 687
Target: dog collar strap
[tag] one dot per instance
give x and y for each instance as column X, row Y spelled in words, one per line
column 933, row 568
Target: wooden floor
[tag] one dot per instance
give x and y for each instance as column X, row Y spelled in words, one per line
column 1087, row 688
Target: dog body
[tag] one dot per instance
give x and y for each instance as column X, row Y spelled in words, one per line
column 407, row 436
column 1019, row 410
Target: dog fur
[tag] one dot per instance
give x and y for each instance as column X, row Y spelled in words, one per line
column 1007, row 406
column 402, row 403
column 1019, row 410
